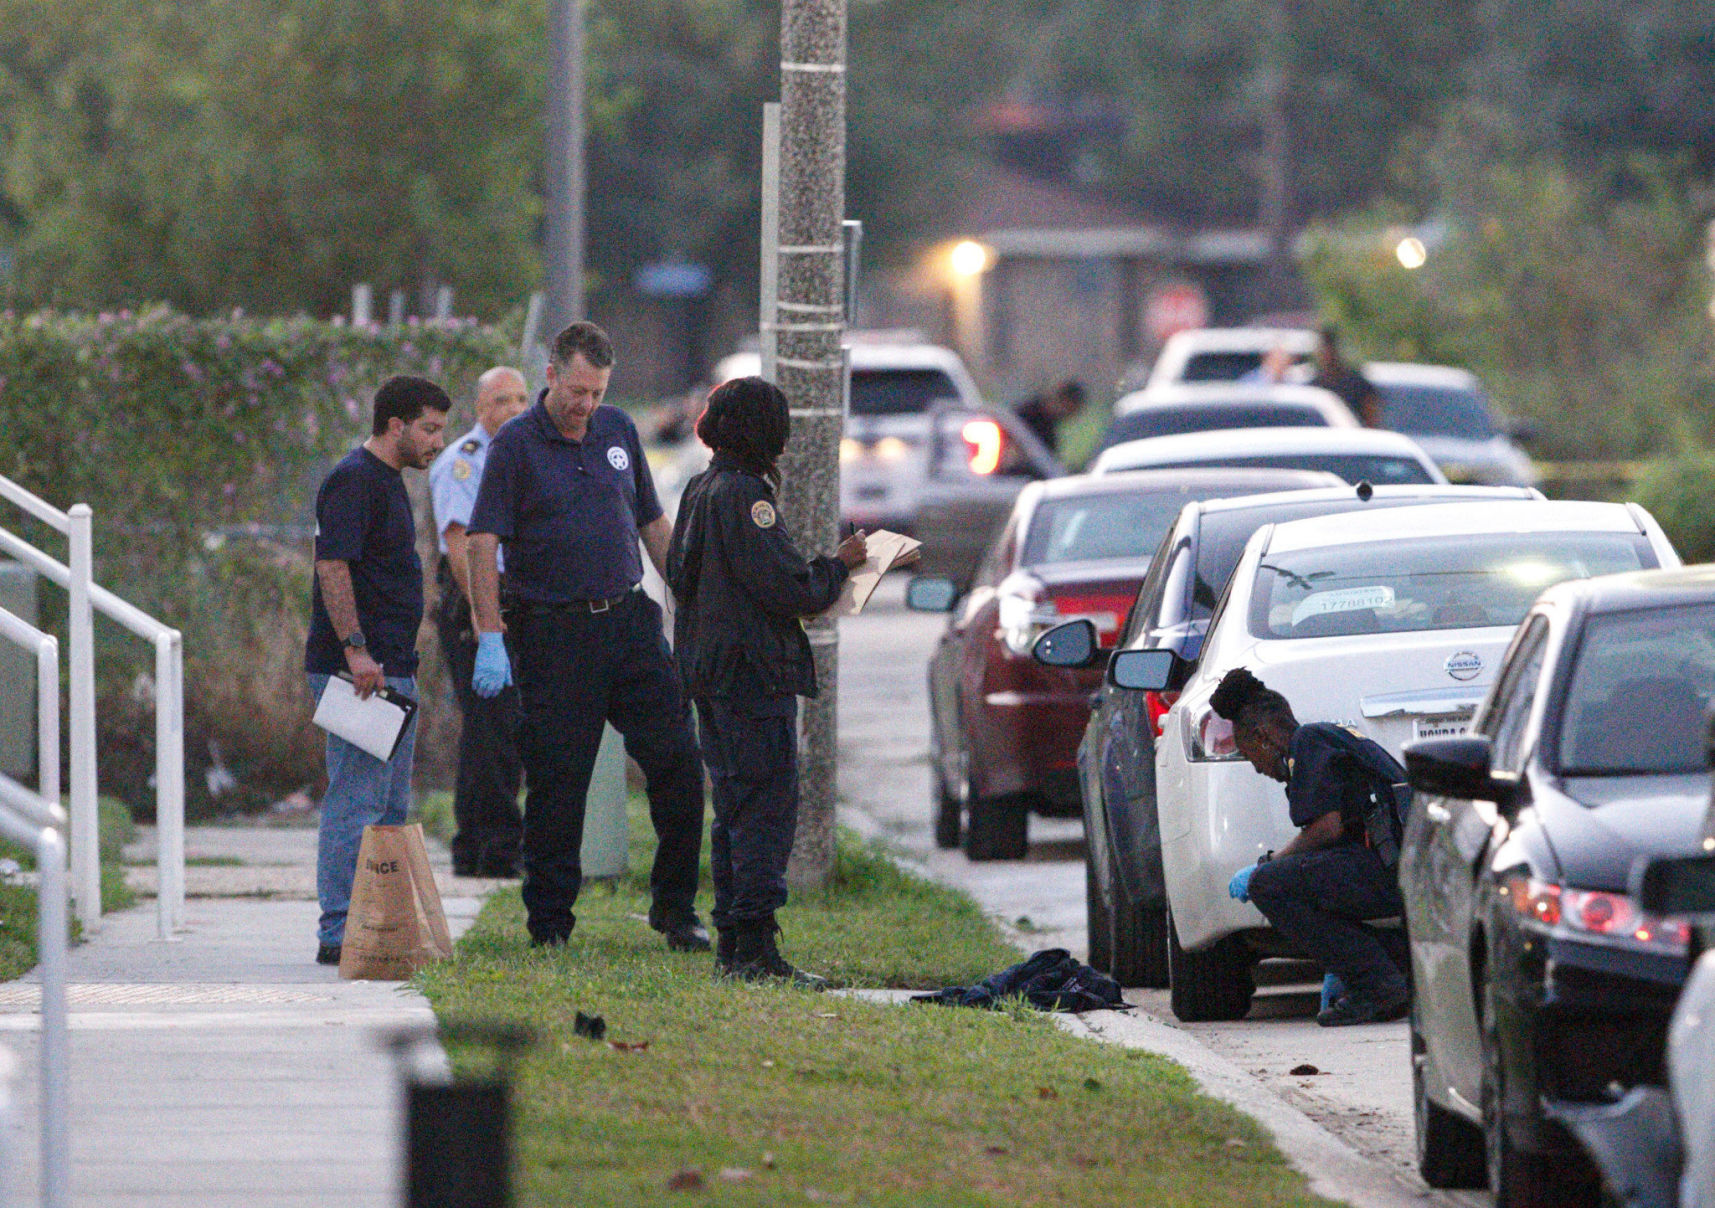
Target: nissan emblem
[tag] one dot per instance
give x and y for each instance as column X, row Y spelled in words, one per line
column 1464, row 666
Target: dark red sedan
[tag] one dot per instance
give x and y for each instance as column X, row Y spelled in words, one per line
column 1004, row 728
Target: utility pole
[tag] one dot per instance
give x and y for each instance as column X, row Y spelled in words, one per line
column 1274, row 209
column 808, row 322
column 564, row 251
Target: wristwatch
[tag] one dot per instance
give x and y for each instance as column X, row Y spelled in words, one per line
column 354, row 641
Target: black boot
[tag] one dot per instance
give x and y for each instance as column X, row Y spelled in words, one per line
column 758, row 957
column 726, row 951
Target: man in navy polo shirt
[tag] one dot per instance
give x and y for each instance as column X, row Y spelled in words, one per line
column 568, row 492
column 366, row 603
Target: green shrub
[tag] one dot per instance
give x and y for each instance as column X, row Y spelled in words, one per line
column 200, row 443
column 1680, row 493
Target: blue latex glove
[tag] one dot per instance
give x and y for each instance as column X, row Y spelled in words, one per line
column 493, row 669
column 1240, row 886
column 1333, row 989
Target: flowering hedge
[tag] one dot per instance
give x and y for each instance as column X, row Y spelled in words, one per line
column 199, row 443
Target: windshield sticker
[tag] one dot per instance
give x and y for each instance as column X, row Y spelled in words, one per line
column 1345, row 599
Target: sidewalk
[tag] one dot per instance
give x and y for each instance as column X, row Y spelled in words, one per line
column 226, row 1068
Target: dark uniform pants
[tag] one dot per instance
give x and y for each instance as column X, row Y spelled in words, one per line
column 751, row 751
column 1321, row 898
column 485, row 800
column 577, row 671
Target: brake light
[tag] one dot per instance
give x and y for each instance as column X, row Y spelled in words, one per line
column 1212, row 739
column 985, row 440
column 1156, row 704
column 1105, row 611
column 1594, row 916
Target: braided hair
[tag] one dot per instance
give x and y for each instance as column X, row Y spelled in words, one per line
column 1250, row 704
column 747, row 419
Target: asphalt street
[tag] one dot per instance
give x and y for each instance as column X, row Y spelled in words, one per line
column 1361, row 1087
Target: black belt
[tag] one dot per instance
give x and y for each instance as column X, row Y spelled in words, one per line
column 580, row 606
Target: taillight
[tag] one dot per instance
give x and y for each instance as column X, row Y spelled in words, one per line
column 1156, row 704
column 1212, row 738
column 1593, row 916
column 985, row 441
column 1104, row 611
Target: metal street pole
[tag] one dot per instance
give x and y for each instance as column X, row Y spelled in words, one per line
column 564, row 250
column 808, row 322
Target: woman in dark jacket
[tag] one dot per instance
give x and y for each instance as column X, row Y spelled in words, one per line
column 742, row 589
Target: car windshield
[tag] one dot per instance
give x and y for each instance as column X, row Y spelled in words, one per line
column 1437, row 411
column 899, row 391
column 1639, row 694
column 1083, row 528
column 1467, row 582
column 1374, row 468
column 1206, row 417
column 1219, row 366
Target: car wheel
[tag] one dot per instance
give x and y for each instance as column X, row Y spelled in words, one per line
column 999, row 829
column 1096, row 921
column 1518, row 1177
column 949, row 814
column 1450, row 1149
column 1215, row 984
column 1139, row 942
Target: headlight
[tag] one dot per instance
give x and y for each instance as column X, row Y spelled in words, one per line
column 1593, row 917
column 1211, row 738
column 850, row 450
column 890, row 448
column 1022, row 619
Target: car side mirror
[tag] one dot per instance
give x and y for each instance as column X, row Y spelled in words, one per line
column 1458, row 767
column 1073, row 644
column 931, row 593
column 1681, row 885
column 1144, row 670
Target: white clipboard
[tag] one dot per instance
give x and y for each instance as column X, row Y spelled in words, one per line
column 375, row 725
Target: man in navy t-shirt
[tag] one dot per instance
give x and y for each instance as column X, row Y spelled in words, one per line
column 365, row 606
column 567, row 491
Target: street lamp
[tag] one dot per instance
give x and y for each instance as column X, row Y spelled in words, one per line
column 1411, row 253
column 968, row 258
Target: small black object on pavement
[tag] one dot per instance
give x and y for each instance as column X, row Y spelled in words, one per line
column 458, row 1128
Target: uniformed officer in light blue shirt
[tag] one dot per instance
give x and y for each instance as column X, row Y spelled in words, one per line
column 485, row 802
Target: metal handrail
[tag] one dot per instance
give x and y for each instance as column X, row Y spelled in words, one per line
column 88, row 597
column 46, row 648
column 19, row 807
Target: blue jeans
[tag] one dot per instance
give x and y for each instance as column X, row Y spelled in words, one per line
column 362, row 791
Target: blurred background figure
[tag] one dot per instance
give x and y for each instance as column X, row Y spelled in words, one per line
column 1044, row 411
column 1276, row 364
column 1354, row 389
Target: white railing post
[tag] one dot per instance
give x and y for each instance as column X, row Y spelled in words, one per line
column 169, row 782
column 48, row 720
column 56, row 1045
column 85, row 824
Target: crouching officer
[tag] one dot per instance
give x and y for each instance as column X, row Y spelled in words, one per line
column 567, row 490
column 741, row 589
column 1337, row 872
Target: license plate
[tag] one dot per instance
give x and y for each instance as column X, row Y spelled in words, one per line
column 1450, row 725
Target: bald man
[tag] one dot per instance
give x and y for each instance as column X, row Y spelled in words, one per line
column 485, row 803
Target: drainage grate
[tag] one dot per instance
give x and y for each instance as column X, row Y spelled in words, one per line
column 115, row 994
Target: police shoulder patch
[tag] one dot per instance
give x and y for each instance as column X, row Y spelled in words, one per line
column 470, row 446
column 617, row 458
column 461, row 468
column 763, row 513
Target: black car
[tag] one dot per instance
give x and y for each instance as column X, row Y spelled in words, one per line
column 1126, row 896
column 1537, row 975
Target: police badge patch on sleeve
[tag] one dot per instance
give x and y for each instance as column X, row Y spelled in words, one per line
column 763, row 513
column 616, row 457
column 461, row 468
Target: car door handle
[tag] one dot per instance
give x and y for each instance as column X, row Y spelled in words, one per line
column 1438, row 812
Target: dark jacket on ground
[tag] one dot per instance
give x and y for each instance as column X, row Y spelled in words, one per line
column 741, row 587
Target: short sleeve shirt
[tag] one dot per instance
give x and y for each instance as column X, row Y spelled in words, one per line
column 363, row 518
column 1328, row 773
column 453, row 483
column 567, row 512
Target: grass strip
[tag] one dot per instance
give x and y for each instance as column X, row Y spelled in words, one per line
column 19, row 901
column 766, row 1094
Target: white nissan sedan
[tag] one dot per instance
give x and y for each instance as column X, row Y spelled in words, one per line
column 1390, row 622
